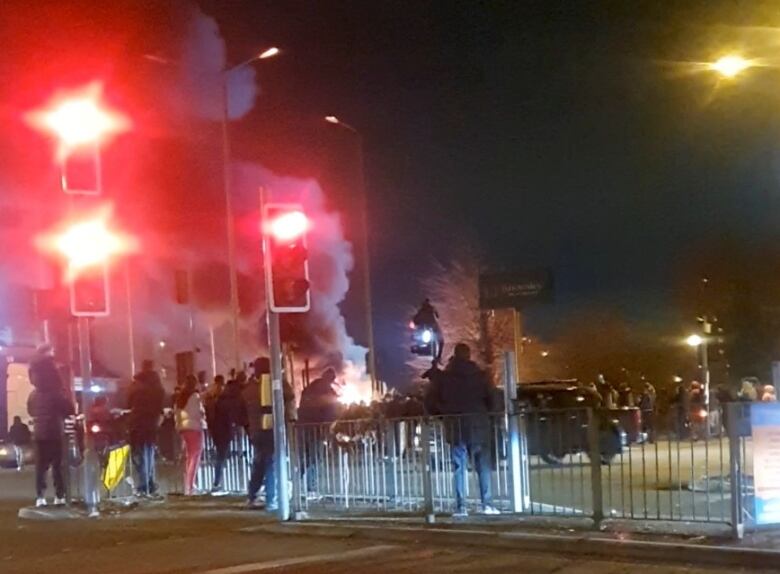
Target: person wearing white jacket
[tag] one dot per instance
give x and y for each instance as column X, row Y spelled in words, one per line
column 190, row 422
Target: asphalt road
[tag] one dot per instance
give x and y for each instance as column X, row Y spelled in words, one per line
column 164, row 542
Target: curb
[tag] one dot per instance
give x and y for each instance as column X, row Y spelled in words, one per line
column 49, row 514
column 629, row 550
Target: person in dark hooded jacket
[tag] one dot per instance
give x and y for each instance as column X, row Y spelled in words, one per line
column 229, row 413
column 145, row 401
column 463, row 394
column 48, row 405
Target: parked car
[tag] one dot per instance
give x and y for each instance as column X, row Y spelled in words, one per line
column 557, row 421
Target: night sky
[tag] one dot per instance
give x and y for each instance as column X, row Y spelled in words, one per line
column 580, row 136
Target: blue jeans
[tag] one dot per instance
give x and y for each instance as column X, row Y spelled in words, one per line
column 223, row 451
column 460, row 467
column 143, row 460
column 263, row 467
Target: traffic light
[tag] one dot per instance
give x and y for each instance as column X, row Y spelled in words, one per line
column 286, row 258
column 89, row 292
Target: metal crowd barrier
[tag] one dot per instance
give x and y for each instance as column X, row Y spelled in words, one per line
column 553, row 462
column 389, row 464
column 577, row 465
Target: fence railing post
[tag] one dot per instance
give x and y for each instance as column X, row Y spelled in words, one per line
column 735, row 414
column 425, row 437
column 517, row 446
column 594, row 449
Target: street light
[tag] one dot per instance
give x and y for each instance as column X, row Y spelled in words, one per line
column 694, row 340
column 365, row 252
column 699, row 342
column 231, row 233
column 731, row 65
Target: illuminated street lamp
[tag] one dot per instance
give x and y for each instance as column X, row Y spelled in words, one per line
column 365, row 252
column 699, row 342
column 694, row 340
column 731, row 65
column 231, row 233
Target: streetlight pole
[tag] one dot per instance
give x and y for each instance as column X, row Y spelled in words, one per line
column 365, row 252
column 226, row 182
column 231, row 234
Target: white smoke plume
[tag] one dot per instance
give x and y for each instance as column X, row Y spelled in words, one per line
column 203, row 60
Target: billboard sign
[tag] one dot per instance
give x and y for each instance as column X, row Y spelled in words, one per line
column 515, row 289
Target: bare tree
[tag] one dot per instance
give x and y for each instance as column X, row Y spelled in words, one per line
column 454, row 291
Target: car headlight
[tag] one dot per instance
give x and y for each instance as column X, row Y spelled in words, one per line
column 3, row 451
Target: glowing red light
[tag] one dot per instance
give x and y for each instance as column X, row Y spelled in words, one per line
column 87, row 243
column 78, row 119
column 289, row 226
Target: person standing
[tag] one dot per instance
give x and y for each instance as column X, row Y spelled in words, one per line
column 647, row 402
column 228, row 414
column 145, row 402
column 258, row 403
column 319, row 406
column 463, row 393
column 190, row 422
column 210, row 398
column 19, row 435
column 49, row 405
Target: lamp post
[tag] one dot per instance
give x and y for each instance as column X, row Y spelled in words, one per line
column 366, row 253
column 231, row 233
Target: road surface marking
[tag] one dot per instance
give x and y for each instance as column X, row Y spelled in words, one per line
column 283, row 562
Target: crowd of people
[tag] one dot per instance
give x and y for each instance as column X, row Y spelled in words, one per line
column 219, row 410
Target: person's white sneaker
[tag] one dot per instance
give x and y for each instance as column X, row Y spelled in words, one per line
column 59, row 501
column 490, row 510
column 39, row 502
column 460, row 513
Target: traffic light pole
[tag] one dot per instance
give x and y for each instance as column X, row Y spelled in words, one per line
column 88, row 467
column 280, row 433
column 277, row 388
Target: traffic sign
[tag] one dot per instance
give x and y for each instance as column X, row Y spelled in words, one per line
column 515, row 289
